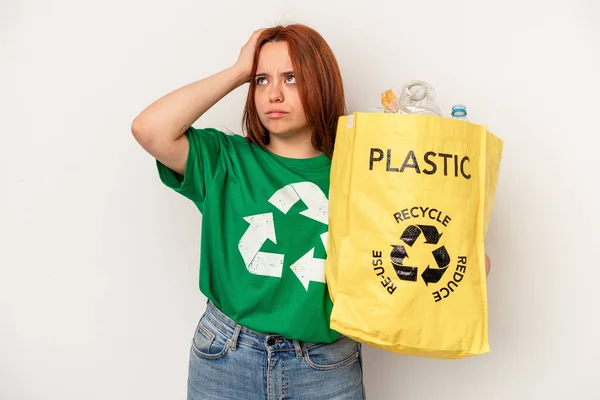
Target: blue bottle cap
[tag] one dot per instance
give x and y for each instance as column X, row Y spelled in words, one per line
column 459, row 110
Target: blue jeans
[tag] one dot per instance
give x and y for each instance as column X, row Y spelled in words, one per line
column 229, row 361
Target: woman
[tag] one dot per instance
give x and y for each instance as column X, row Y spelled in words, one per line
column 265, row 333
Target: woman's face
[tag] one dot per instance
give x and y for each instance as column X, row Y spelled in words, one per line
column 277, row 99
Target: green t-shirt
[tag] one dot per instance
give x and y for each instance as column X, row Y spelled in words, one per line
column 264, row 233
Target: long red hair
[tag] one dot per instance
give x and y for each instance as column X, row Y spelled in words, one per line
column 319, row 84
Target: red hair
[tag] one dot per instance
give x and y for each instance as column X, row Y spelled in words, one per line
column 319, row 84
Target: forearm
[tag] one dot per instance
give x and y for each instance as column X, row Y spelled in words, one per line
column 169, row 117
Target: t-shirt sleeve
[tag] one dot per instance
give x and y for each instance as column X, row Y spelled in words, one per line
column 205, row 149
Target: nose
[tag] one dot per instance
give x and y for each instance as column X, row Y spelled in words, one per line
column 275, row 93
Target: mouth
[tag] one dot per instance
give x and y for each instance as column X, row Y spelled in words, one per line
column 276, row 113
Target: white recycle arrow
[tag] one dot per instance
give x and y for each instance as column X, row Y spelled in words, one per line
column 260, row 230
column 308, row 268
column 310, row 194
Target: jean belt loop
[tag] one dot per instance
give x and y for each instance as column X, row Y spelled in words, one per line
column 298, row 348
column 234, row 338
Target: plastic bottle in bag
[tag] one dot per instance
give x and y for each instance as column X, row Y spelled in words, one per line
column 416, row 97
column 459, row 111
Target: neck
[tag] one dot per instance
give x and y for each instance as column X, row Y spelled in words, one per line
column 295, row 146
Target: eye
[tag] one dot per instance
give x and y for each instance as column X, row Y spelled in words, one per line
column 290, row 79
column 261, row 80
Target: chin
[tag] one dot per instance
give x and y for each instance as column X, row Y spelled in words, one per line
column 285, row 129
column 282, row 130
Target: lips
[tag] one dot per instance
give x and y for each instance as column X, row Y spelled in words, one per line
column 276, row 113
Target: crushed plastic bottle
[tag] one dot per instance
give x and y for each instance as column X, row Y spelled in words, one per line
column 416, row 97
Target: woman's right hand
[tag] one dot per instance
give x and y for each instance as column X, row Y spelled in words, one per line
column 246, row 58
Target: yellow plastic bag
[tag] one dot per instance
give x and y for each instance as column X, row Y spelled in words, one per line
column 410, row 202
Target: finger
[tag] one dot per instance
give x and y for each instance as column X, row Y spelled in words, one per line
column 257, row 33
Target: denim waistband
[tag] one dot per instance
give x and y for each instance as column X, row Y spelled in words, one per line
column 240, row 334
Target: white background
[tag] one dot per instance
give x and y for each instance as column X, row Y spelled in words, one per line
column 98, row 260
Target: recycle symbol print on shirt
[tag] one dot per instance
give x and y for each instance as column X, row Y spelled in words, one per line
column 262, row 228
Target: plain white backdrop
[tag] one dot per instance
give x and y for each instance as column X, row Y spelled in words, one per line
column 99, row 261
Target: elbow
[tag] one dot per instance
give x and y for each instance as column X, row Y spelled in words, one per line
column 141, row 133
column 154, row 139
column 137, row 128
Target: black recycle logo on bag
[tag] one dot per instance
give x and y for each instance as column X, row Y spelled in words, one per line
column 399, row 255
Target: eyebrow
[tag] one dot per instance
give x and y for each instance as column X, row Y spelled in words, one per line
column 264, row 74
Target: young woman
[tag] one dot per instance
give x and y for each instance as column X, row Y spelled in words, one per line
column 265, row 333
